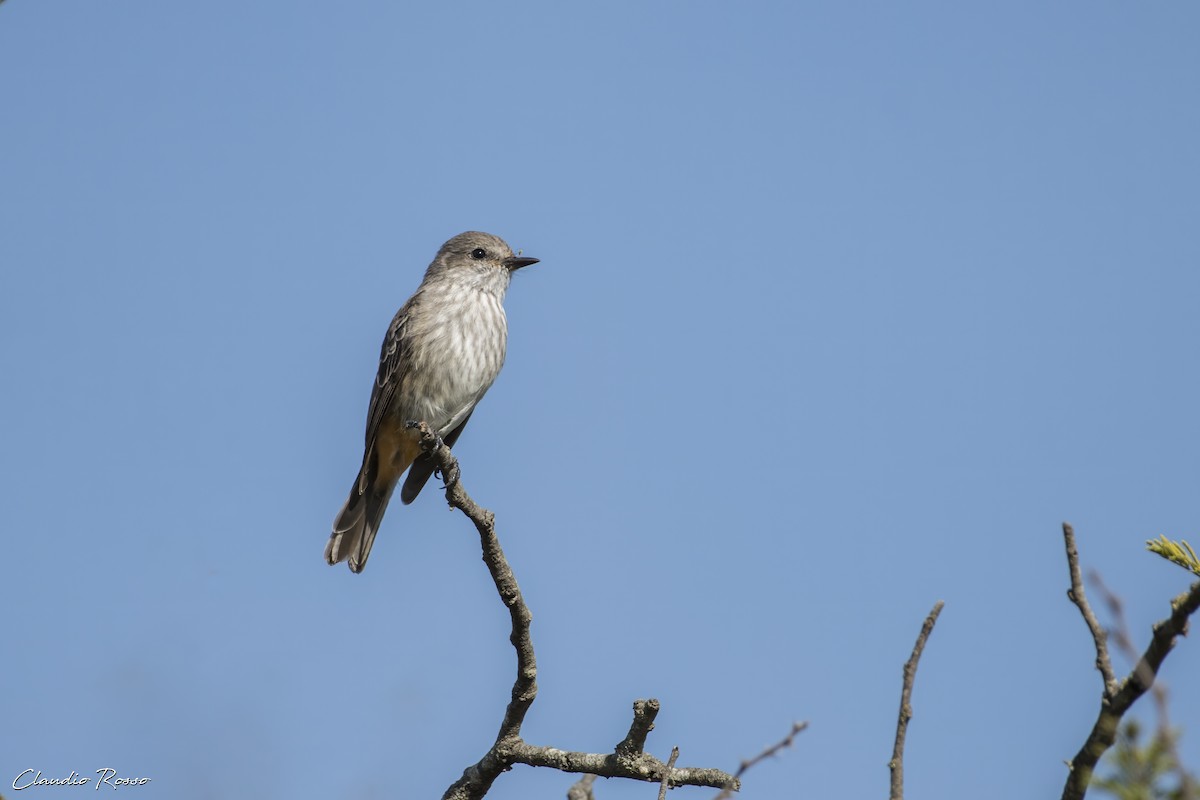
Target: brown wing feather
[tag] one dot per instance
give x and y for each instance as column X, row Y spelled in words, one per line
column 387, row 453
column 393, row 364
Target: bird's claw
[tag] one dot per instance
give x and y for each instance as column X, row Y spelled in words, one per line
column 413, row 424
column 450, row 478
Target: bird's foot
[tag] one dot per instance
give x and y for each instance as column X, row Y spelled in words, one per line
column 449, row 478
column 425, row 430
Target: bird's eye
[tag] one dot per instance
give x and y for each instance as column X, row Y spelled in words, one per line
column 478, row 253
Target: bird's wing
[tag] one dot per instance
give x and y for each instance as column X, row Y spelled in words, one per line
column 393, row 364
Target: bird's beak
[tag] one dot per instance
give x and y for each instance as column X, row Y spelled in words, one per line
column 514, row 263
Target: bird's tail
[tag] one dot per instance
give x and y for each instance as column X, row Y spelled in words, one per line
column 356, row 525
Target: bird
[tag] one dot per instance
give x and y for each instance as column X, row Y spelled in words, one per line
column 441, row 354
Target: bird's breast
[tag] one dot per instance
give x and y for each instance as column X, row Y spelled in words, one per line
column 457, row 350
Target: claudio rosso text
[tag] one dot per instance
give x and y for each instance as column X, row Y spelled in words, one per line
column 105, row 777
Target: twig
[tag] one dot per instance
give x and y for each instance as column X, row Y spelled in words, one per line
column 910, row 675
column 582, row 789
column 509, row 748
column 1118, row 698
column 666, row 779
column 1079, row 598
column 784, row 743
column 1124, row 641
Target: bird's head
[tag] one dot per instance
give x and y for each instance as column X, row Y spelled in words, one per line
column 477, row 253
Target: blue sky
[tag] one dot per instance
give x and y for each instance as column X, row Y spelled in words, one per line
column 842, row 309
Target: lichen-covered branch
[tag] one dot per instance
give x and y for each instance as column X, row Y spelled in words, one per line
column 910, row 676
column 1118, row 697
column 640, row 767
column 628, row 760
column 644, row 712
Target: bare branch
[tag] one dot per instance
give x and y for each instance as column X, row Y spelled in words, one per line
column 666, row 778
column 910, row 675
column 784, row 743
column 643, row 767
column 644, row 712
column 1117, row 700
column 1123, row 639
column 628, row 761
column 582, row 789
column 1158, row 691
column 1079, row 598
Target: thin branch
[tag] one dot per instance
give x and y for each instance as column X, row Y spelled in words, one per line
column 1079, row 598
column 666, row 778
column 1120, row 626
column 509, row 748
column 784, row 743
column 1114, row 703
column 910, row 675
column 582, row 789
column 1158, row 691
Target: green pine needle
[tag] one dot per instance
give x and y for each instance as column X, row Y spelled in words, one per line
column 1180, row 553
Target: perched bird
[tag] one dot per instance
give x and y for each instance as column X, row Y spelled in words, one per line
column 442, row 352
